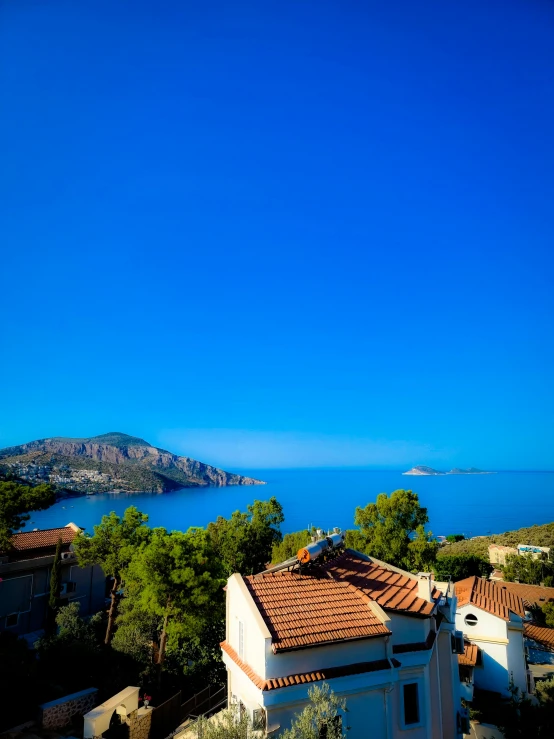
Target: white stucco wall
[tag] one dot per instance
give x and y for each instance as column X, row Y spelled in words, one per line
column 329, row 655
column 240, row 608
column 502, row 649
column 408, row 629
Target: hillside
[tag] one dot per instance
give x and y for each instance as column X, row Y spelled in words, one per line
column 110, row 462
column 541, row 536
column 422, row 470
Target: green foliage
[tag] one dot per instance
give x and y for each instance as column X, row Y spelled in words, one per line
column 244, row 542
column 15, row 503
column 458, row 567
column 228, row 724
column 525, row 569
column 387, row 526
column 548, row 614
column 540, row 536
column 422, row 550
column 290, row 545
column 56, row 577
column 179, row 580
column 452, row 538
column 520, row 718
column 322, row 716
column 116, row 541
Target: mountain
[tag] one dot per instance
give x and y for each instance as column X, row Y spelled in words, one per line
column 422, row 470
column 110, row 462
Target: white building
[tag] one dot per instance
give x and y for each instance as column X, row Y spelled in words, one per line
column 380, row 637
column 492, row 618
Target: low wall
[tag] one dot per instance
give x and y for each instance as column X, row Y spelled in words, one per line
column 58, row 713
column 139, row 723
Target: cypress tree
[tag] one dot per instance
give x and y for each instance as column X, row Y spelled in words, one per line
column 55, row 586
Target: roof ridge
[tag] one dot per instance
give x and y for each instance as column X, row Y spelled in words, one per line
column 41, row 531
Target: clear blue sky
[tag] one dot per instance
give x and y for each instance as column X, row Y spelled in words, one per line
column 281, row 233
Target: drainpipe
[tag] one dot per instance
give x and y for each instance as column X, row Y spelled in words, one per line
column 386, row 694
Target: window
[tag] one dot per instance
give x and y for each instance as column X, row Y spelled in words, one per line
column 411, row 703
column 241, row 640
column 71, row 587
column 12, row 620
column 471, row 619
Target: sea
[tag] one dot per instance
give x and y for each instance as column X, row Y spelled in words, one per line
column 473, row 505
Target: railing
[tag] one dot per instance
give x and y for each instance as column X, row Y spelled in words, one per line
column 203, row 702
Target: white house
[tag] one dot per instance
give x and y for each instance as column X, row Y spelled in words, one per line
column 381, row 638
column 492, row 618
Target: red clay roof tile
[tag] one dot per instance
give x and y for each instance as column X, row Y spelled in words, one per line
column 489, row 596
column 541, row 634
column 43, row 539
column 471, row 656
column 327, row 673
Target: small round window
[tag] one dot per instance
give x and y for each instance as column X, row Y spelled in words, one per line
column 470, row 620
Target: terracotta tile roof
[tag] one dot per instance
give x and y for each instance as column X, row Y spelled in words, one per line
column 389, row 588
column 489, row 596
column 43, row 539
column 541, row 634
column 471, row 656
column 530, row 594
column 312, row 609
column 327, row 673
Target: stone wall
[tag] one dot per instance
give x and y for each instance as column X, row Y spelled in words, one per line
column 139, row 723
column 58, row 713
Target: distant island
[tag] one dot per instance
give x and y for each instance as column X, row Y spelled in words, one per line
column 112, row 462
column 423, row 470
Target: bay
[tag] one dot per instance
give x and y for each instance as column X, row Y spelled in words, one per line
column 473, row 505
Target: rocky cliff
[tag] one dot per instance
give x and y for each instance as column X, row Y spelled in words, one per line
column 109, row 462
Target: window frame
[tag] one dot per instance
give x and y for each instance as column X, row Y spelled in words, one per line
column 471, row 616
column 16, row 624
column 420, row 704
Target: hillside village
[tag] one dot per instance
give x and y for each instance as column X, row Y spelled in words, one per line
column 413, row 655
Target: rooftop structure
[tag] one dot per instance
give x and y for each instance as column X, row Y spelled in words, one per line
column 380, row 637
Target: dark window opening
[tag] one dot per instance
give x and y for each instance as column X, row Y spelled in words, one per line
column 411, row 704
column 335, row 723
column 12, row 620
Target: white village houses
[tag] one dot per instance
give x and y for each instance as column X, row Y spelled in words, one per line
column 492, row 619
column 382, row 638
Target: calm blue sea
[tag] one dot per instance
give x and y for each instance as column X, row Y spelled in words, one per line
column 472, row 505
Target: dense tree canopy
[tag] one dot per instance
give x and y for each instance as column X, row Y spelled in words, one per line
column 244, row 542
column 392, row 529
column 461, row 566
column 16, row 501
column 526, row 569
column 178, row 580
column 116, row 541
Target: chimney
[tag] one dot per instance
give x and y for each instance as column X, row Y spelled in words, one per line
column 424, row 586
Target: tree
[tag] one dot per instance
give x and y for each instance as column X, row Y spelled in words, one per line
column 422, row 550
column 228, row 724
column 290, row 545
column 16, row 501
column 548, row 611
column 453, row 538
column 525, row 569
column 322, row 717
column 55, row 587
column 458, row 567
column 387, row 526
column 244, row 542
column 114, row 544
column 178, row 579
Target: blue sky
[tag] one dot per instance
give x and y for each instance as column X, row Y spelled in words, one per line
column 281, row 233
